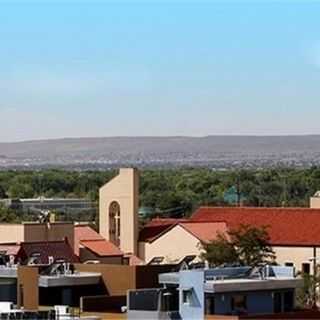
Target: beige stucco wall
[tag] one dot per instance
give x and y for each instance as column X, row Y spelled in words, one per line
column 174, row 245
column 11, row 233
column 295, row 255
column 124, row 189
column 31, row 232
column 315, row 202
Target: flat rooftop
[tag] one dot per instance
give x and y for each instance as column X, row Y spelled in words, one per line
column 227, row 285
column 76, row 279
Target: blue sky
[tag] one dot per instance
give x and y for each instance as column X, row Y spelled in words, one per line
column 81, row 68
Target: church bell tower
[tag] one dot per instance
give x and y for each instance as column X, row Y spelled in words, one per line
column 118, row 210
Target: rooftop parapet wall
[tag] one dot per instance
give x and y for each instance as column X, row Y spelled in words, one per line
column 120, row 278
column 35, row 232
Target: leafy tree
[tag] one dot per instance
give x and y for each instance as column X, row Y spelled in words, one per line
column 246, row 245
column 252, row 245
column 164, row 189
column 308, row 296
column 20, row 190
column 3, row 193
column 220, row 251
column 8, row 215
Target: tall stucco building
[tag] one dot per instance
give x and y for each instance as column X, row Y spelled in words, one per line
column 118, row 210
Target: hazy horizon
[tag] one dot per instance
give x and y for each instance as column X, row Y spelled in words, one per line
column 106, row 69
column 164, row 136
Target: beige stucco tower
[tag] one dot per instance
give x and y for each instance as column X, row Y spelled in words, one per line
column 118, row 210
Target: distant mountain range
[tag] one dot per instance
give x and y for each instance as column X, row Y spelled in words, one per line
column 218, row 152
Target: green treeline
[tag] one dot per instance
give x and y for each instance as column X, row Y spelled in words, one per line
column 163, row 190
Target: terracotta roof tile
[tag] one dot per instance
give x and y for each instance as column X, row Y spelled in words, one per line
column 164, row 221
column 102, row 247
column 205, row 231
column 286, row 226
column 84, row 232
column 155, row 227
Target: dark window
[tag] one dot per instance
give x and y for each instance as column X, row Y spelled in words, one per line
column 306, row 268
column 239, row 304
column 210, row 305
column 277, row 302
column 170, row 300
column 289, row 264
column 147, row 300
column 21, row 294
column 288, row 298
column 186, row 296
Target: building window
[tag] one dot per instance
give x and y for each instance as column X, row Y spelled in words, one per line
column 239, row 304
column 277, row 302
column 305, row 268
column 114, row 223
column 288, row 301
column 289, row 264
column 209, row 305
column 186, row 296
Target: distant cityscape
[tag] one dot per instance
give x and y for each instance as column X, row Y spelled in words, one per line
column 216, row 152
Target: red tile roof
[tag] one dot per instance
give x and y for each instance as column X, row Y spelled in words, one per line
column 102, row 247
column 84, row 232
column 286, row 226
column 205, row 231
column 92, row 240
column 59, row 250
column 164, row 221
column 149, row 233
column 155, row 227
